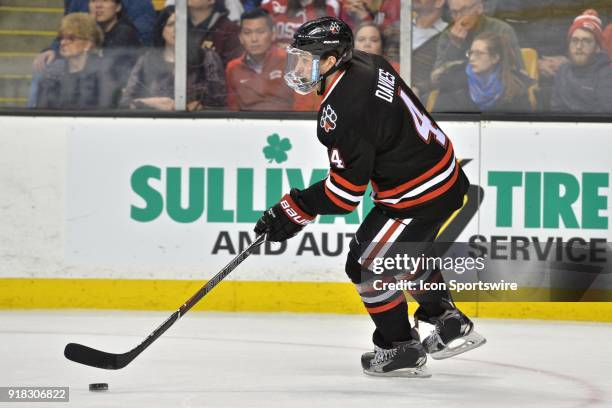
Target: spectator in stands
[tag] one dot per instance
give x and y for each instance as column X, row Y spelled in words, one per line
column 73, row 82
column 585, row 83
column 384, row 13
column 607, row 37
column 427, row 25
column 250, row 5
column 541, row 25
column 151, row 83
column 381, row 12
column 358, row 12
column 234, row 8
column 288, row 15
column 468, row 22
column 139, row 12
column 369, row 38
column 209, row 28
column 492, row 79
column 255, row 80
column 118, row 30
column 121, row 44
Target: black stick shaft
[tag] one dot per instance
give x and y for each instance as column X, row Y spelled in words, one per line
column 97, row 358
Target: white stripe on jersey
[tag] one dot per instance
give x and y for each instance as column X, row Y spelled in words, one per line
column 368, row 255
column 379, row 298
column 341, row 193
column 425, row 186
column 392, row 239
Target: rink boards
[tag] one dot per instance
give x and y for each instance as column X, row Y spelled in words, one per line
column 135, row 213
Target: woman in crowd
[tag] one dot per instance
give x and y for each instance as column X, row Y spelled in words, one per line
column 73, row 82
column 151, row 83
column 491, row 80
column 121, row 46
column 369, row 38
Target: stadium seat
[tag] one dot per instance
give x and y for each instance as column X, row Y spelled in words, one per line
column 431, row 99
column 530, row 59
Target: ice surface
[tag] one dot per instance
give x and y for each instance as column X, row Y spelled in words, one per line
column 300, row 360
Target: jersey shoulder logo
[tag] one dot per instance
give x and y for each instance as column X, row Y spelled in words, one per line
column 328, row 119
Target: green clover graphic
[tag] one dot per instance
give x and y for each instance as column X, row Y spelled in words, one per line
column 277, row 148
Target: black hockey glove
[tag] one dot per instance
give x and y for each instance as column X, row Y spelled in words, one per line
column 285, row 219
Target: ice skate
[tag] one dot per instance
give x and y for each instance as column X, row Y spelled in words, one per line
column 453, row 334
column 404, row 359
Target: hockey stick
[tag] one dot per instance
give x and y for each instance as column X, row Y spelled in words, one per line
column 109, row 361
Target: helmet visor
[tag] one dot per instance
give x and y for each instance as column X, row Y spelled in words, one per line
column 302, row 70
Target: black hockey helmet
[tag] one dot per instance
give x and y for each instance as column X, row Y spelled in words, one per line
column 313, row 41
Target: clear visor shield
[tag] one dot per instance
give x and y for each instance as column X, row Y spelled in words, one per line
column 302, row 70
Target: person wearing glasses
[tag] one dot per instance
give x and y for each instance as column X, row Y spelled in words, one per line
column 468, row 21
column 73, row 81
column 585, row 83
column 491, row 80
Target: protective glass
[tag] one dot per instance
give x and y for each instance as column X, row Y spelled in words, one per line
column 302, row 70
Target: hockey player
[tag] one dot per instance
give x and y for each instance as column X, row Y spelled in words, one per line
column 377, row 131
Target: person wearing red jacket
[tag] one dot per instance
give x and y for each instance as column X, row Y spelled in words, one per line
column 255, row 79
column 288, row 15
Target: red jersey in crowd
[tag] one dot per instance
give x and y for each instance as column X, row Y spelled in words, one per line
column 287, row 25
column 387, row 14
column 607, row 38
column 253, row 87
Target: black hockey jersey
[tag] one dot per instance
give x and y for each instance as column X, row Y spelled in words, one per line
column 376, row 130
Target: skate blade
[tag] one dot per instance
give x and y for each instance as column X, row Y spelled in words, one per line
column 460, row 345
column 415, row 372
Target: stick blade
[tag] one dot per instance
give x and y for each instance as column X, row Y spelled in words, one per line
column 94, row 358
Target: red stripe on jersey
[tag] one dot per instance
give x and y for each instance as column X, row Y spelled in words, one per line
column 339, row 202
column 370, row 257
column 429, row 196
column 379, row 309
column 331, row 86
column 347, row 184
column 409, row 184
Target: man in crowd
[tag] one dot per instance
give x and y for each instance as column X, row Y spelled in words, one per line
column 255, row 80
column 427, row 25
column 468, row 21
column 542, row 25
column 209, row 27
column 585, row 83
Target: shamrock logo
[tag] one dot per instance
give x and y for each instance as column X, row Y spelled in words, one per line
column 277, row 148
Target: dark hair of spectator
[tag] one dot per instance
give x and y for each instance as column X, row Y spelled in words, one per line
column 160, row 24
column 510, row 67
column 370, row 24
column 295, row 6
column 257, row 13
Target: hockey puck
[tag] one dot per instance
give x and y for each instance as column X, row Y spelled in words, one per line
column 98, row 387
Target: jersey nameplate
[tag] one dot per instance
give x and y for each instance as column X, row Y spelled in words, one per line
column 386, row 86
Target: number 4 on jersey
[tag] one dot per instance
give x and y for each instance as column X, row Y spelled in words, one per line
column 335, row 159
column 422, row 123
